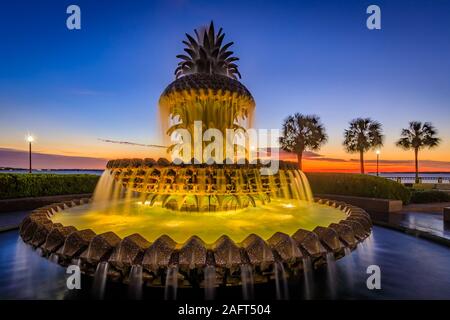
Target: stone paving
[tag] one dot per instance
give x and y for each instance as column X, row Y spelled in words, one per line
column 428, row 222
column 11, row 220
column 427, row 218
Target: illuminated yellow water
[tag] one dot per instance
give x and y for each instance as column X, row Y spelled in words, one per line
column 152, row 222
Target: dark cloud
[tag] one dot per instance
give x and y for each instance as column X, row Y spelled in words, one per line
column 132, row 143
column 306, row 154
column 328, row 159
column 311, row 155
column 19, row 159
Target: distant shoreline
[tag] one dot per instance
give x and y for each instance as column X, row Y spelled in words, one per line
column 411, row 172
column 25, row 169
column 7, row 169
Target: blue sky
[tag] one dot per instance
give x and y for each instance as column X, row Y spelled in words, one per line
column 70, row 88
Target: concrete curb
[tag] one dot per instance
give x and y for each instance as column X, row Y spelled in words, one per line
column 23, row 204
column 9, row 228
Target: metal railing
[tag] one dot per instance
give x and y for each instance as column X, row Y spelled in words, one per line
column 436, row 179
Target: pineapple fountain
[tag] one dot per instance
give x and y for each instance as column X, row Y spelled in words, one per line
column 157, row 223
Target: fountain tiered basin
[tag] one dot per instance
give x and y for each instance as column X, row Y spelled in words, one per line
column 248, row 230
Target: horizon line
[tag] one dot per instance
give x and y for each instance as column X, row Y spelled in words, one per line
column 87, row 169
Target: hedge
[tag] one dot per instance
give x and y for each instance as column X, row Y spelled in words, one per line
column 429, row 196
column 35, row 185
column 358, row 185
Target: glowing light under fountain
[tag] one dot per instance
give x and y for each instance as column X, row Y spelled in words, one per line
column 170, row 225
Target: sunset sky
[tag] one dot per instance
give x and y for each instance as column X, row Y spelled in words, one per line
column 71, row 89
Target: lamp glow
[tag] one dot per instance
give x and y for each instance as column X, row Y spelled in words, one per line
column 378, row 160
column 30, row 139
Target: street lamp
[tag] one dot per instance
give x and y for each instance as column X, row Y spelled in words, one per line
column 378, row 160
column 30, row 139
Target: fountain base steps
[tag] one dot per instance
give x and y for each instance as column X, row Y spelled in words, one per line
column 22, row 204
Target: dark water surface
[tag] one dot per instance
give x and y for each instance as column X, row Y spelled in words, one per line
column 411, row 268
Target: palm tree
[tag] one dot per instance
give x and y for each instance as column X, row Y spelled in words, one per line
column 418, row 136
column 302, row 133
column 362, row 135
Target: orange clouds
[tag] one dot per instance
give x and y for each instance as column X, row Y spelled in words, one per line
column 312, row 162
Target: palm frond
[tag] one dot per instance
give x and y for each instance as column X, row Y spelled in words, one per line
column 207, row 55
column 300, row 132
column 418, row 135
column 362, row 135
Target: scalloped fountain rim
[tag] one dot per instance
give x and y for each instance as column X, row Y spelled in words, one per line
column 67, row 245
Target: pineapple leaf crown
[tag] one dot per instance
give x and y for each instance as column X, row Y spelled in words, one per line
column 205, row 54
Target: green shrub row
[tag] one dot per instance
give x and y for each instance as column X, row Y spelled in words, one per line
column 358, row 185
column 429, row 196
column 36, row 185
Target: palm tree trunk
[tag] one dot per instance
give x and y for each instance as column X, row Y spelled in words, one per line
column 299, row 160
column 416, row 158
column 361, row 159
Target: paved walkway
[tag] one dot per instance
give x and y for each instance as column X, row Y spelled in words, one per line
column 11, row 220
column 422, row 217
column 428, row 222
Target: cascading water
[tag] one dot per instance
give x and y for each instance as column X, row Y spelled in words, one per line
column 54, row 258
column 104, row 188
column 210, row 282
column 135, row 285
column 110, row 192
column 305, row 184
column 331, row 274
column 39, row 252
column 247, row 281
column 367, row 247
column 100, row 277
column 281, row 285
column 171, row 285
column 348, row 260
column 179, row 188
column 76, row 262
column 307, row 277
